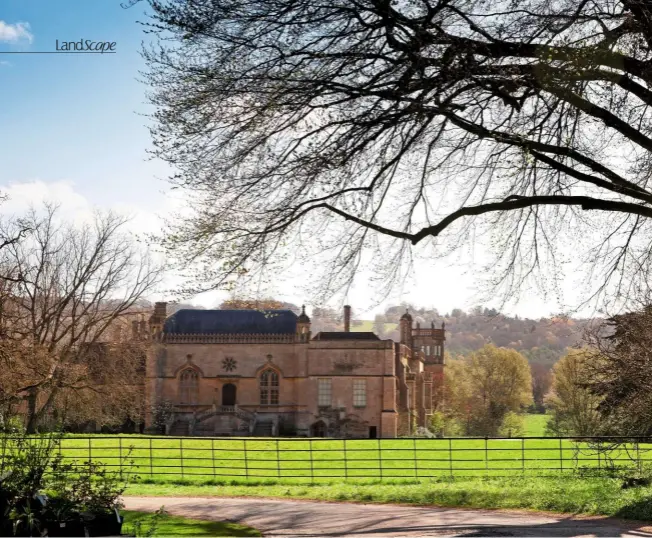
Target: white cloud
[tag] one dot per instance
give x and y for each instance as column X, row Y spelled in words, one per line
column 15, row 33
column 75, row 207
column 24, row 195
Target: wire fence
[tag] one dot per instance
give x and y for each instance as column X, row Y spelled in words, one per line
column 313, row 460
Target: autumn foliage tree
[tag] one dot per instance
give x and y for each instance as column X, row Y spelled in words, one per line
column 541, row 384
column 256, row 304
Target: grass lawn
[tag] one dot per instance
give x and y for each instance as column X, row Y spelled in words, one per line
column 294, row 461
column 180, row 526
column 596, row 496
column 535, row 425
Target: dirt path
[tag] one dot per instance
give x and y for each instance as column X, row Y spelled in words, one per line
column 309, row 518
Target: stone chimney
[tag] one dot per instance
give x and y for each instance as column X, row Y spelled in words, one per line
column 143, row 327
column 347, row 318
column 161, row 310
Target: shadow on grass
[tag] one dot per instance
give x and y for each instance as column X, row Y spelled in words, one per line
column 640, row 510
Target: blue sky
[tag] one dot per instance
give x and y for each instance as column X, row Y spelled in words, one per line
column 72, row 130
column 76, row 118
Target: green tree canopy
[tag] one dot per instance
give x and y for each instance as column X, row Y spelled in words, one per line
column 483, row 388
column 573, row 407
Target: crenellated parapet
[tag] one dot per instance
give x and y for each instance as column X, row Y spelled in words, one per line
column 431, row 332
column 235, row 338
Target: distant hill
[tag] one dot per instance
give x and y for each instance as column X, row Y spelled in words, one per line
column 542, row 341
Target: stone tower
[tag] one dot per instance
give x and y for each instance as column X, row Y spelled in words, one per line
column 303, row 326
column 405, row 329
column 157, row 319
column 430, row 342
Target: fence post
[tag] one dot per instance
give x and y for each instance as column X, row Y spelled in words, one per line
column 213, row 454
column 346, row 466
column 278, row 461
column 639, row 464
column 4, row 449
column 312, row 469
column 380, row 458
column 120, row 454
column 450, row 455
column 151, row 458
column 561, row 458
column 90, row 450
column 486, row 456
column 523, row 455
column 244, row 442
column 181, row 454
column 414, row 450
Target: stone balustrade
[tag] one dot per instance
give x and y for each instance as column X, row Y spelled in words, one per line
column 172, row 338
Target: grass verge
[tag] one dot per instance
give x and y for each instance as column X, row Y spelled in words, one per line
column 594, row 496
column 181, row 526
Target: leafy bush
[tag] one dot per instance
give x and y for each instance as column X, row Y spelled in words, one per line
column 443, row 425
column 81, row 497
column 11, row 424
column 513, row 425
column 25, row 461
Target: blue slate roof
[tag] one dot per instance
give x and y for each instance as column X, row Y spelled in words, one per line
column 231, row 322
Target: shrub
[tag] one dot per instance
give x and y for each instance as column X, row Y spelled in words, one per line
column 443, row 425
column 83, row 498
column 512, row 425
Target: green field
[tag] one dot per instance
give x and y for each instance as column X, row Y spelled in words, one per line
column 535, row 425
column 315, row 460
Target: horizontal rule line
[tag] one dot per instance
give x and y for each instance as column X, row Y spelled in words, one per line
column 59, row 52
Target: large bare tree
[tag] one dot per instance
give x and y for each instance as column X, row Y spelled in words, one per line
column 412, row 122
column 67, row 292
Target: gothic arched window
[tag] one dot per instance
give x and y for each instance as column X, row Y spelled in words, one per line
column 269, row 387
column 188, row 386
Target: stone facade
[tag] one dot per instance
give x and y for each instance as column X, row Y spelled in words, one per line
column 222, row 372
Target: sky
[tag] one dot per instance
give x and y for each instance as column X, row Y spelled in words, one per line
column 73, row 130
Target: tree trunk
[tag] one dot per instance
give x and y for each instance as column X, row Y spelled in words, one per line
column 32, row 416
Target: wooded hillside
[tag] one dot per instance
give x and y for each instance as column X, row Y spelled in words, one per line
column 542, row 341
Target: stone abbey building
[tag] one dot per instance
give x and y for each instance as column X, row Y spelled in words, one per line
column 262, row 373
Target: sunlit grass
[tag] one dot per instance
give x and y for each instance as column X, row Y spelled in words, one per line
column 313, row 460
column 535, row 425
column 180, row 526
column 596, row 496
